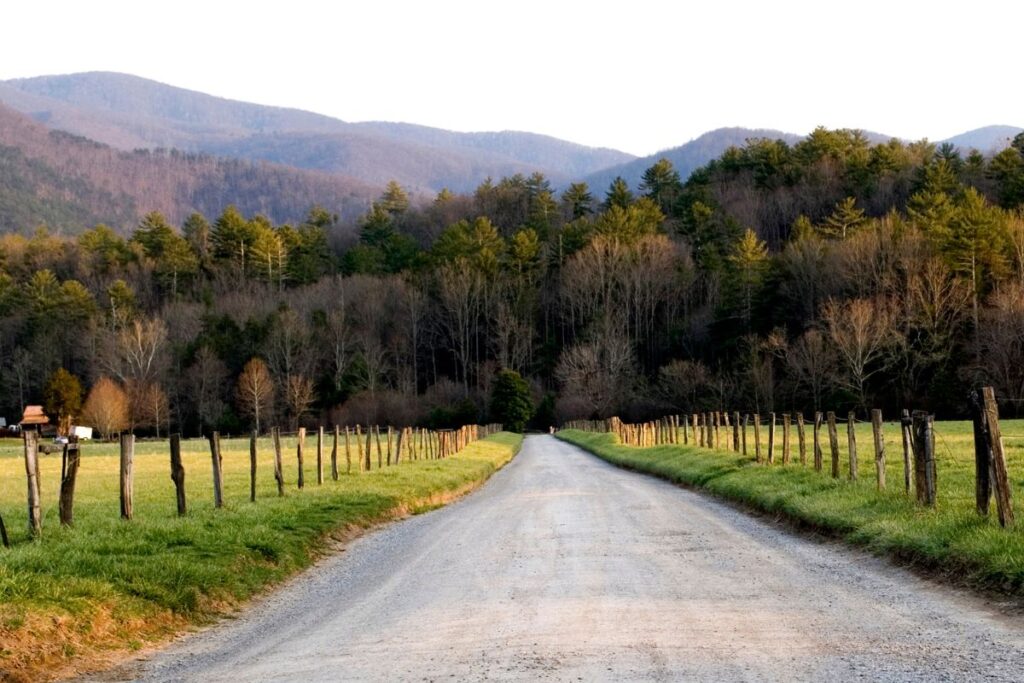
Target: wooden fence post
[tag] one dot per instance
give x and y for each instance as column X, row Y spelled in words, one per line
column 715, row 418
column 851, row 441
column 35, row 516
column 218, row 484
column 253, row 436
column 817, row 442
column 320, row 455
column 334, row 453
column 127, row 475
column 906, row 424
column 401, row 436
column 71, row 458
column 178, row 474
column 785, row 438
column 757, row 437
column 771, row 438
column 801, row 438
column 300, row 456
column 4, row 540
column 736, row 432
column 380, row 453
column 833, row 443
column 693, row 429
column 389, row 447
column 924, row 457
column 746, row 419
column 348, row 453
column 369, row 453
column 999, row 476
column 982, row 456
column 278, row 461
column 879, row 437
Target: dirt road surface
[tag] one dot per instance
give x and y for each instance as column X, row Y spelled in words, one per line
column 565, row 568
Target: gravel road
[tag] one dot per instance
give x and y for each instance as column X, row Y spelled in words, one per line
column 565, row 568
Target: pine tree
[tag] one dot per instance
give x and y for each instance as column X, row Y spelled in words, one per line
column 511, row 404
column 749, row 257
column 63, row 398
column 618, row 194
column 661, row 183
column 844, row 219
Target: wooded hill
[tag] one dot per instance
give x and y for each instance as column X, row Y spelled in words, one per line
column 779, row 276
column 54, row 178
column 128, row 112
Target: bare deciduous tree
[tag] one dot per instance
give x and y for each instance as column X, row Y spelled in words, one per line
column 255, row 391
column 206, row 379
column 299, row 397
column 135, row 353
column 600, row 375
column 1001, row 341
column 860, row 331
column 150, row 407
column 811, row 364
column 106, row 408
column 685, row 385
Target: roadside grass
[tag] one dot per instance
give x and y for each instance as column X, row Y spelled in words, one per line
column 106, row 585
column 951, row 540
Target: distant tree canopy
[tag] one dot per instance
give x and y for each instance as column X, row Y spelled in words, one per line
column 762, row 281
column 511, row 403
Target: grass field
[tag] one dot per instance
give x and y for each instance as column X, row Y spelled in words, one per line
column 950, row 539
column 107, row 585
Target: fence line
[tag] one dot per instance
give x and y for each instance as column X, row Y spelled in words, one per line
column 411, row 444
column 917, row 429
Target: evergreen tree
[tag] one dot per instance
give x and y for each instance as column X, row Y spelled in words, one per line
column 63, row 399
column 661, row 183
column 511, row 404
column 618, row 194
column 843, row 220
column 579, row 200
column 749, row 259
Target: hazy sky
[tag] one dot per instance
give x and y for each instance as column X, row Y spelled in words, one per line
column 639, row 76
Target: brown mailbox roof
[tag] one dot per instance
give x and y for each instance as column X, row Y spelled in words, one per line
column 34, row 415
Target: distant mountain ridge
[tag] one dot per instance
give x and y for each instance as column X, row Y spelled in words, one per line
column 129, row 112
column 71, row 183
column 987, row 140
column 685, row 158
column 701, row 150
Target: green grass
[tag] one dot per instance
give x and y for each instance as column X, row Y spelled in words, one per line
column 950, row 539
column 107, row 583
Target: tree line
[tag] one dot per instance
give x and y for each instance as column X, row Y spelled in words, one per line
column 778, row 277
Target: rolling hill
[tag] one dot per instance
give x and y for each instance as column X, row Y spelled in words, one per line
column 129, row 112
column 988, row 139
column 689, row 157
column 71, row 183
column 686, row 158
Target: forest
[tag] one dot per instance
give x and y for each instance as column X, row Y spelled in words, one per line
column 830, row 272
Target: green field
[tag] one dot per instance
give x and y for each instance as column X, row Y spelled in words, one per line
column 111, row 584
column 950, row 539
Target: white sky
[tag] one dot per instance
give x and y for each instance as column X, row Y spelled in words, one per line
column 638, row 75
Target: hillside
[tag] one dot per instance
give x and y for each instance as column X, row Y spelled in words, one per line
column 988, row 139
column 686, row 158
column 129, row 112
column 694, row 154
column 70, row 183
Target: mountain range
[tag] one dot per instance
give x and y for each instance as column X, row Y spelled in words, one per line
column 128, row 112
column 70, row 183
column 108, row 147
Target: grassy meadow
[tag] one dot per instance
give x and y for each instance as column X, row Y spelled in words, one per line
column 106, row 584
column 951, row 539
